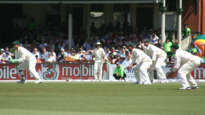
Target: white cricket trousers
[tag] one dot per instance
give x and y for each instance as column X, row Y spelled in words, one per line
column 158, row 66
column 142, row 73
column 98, row 66
column 30, row 65
column 184, row 73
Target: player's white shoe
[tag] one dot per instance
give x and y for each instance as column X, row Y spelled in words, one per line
column 163, row 81
column 147, row 84
column 194, row 87
column 37, row 81
column 185, row 88
column 21, row 81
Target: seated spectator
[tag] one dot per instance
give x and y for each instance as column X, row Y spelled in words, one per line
column 112, row 56
column 123, row 51
column 81, row 54
column 107, row 52
column 74, row 55
column 44, row 55
column 8, row 52
column 53, row 54
column 2, row 56
column 85, row 55
column 36, row 53
column 62, row 55
column 69, row 52
column 117, row 59
column 88, row 56
column 51, row 58
column 7, row 57
column 122, row 58
column 119, row 72
column 127, row 60
column 154, row 39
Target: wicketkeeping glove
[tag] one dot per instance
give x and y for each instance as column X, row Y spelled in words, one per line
column 13, row 61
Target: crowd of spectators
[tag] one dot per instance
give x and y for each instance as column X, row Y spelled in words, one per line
column 52, row 45
column 115, row 45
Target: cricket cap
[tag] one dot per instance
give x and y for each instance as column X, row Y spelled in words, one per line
column 175, row 46
column 98, row 43
column 16, row 42
column 146, row 40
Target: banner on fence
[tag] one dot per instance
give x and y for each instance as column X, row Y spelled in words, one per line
column 51, row 71
column 78, row 71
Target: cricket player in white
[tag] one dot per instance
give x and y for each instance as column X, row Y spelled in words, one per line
column 99, row 56
column 158, row 59
column 143, row 63
column 25, row 60
column 185, row 63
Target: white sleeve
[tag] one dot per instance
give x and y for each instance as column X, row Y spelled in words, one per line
column 153, row 55
column 103, row 53
column 22, row 56
column 143, row 46
column 133, row 58
column 138, row 58
column 93, row 52
column 177, row 63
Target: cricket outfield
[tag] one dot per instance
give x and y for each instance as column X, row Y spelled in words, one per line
column 100, row 99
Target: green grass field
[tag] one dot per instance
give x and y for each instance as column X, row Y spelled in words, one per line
column 100, row 99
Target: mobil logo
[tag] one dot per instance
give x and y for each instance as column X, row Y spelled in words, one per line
column 48, row 71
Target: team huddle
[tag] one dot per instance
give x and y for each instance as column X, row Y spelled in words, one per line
column 144, row 60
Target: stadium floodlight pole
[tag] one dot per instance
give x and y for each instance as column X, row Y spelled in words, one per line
column 163, row 10
column 179, row 12
column 70, row 31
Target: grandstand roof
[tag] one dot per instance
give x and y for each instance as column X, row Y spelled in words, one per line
column 73, row 1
